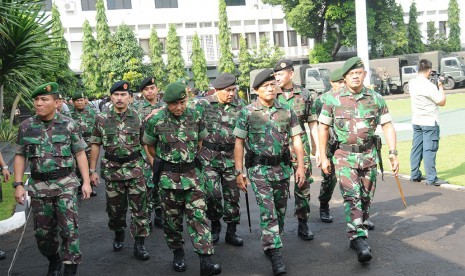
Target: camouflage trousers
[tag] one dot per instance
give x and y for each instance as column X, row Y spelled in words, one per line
column 271, row 198
column 119, row 194
column 153, row 195
column 357, row 187
column 78, row 172
column 221, row 184
column 53, row 216
column 302, row 194
column 191, row 204
column 327, row 186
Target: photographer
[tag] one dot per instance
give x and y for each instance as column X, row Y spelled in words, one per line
column 426, row 98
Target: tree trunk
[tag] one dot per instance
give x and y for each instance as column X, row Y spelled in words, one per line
column 13, row 108
column 1, row 103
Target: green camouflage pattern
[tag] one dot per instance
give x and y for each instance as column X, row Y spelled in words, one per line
column 119, row 135
column 267, row 132
column 297, row 98
column 121, row 193
column 220, row 120
column 86, row 121
column 354, row 118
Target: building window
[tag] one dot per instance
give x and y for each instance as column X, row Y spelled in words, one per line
column 442, row 27
column 291, row 38
column 303, row 41
column 166, row 4
column 235, row 2
column 163, row 44
column 205, row 24
column 119, row 4
column 235, row 41
column 251, row 40
column 88, row 5
column 189, row 40
column 191, row 25
column 207, row 45
column 144, row 43
column 47, row 5
column 278, row 38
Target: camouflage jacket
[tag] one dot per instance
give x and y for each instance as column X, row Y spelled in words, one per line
column 298, row 99
column 176, row 141
column 220, row 121
column 354, row 116
column 267, row 131
column 48, row 147
column 120, row 136
column 144, row 108
column 86, row 122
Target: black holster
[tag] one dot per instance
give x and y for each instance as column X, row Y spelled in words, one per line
column 378, row 145
column 156, row 169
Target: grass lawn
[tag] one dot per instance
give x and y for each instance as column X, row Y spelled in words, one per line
column 8, row 205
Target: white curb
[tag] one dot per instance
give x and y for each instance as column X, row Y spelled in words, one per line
column 17, row 220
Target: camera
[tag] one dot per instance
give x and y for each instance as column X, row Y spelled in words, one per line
column 436, row 78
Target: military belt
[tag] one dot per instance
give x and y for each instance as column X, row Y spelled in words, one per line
column 357, row 148
column 267, row 160
column 177, row 167
column 86, row 135
column 56, row 174
column 218, row 147
column 122, row 160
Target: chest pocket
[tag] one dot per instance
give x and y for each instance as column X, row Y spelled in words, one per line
column 257, row 134
column 110, row 138
column 299, row 107
column 132, row 135
column 61, row 146
column 342, row 119
column 32, row 147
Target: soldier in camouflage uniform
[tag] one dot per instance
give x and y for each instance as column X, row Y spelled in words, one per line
column 220, row 112
column 119, row 132
column 267, row 126
column 173, row 137
column 146, row 108
column 48, row 141
column 329, row 180
column 85, row 118
column 60, row 108
column 354, row 112
column 300, row 100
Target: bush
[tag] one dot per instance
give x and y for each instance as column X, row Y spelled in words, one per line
column 8, row 134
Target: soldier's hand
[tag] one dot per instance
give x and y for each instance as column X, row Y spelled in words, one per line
column 394, row 163
column 95, row 179
column 300, row 176
column 242, row 182
column 20, row 194
column 326, row 165
column 6, row 175
column 317, row 158
column 155, row 111
column 86, row 191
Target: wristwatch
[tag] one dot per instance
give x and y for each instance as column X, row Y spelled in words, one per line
column 237, row 172
column 5, row 168
column 92, row 171
column 393, row 152
column 16, row 184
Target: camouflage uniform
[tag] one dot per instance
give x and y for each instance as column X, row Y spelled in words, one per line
column 119, row 134
column 50, row 147
column 355, row 118
column 298, row 100
column 182, row 193
column 220, row 120
column 267, row 131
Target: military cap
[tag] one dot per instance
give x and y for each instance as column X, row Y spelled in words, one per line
column 184, row 81
column 174, row 92
column 336, row 75
column 146, row 82
column 264, row 75
column 78, row 95
column 45, row 89
column 121, row 85
column 224, row 80
column 283, row 64
column 352, row 63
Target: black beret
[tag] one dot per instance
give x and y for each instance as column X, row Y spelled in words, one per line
column 174, row 92
column 352, row 63
column 224, row 80
column 121, row 85
column 146, row 82
column 264, row 75
column 283, row 64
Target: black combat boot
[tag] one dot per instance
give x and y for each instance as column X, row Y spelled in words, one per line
column 362, row 248
column 158, row 217
column 70, row 269
column 2, row 255
column 277, row 262
column 54, row 265
column 118, row 242
column 325, row 215
column 208, row 268
column 231, row 236
column 303, row 231
column 139, row 249
column 216, row 229
column 179, row 260
column 369, row 225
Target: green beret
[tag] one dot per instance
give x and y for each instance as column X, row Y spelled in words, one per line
column 174, row 92
column 283, row 64
column 146, row 82
column 77, row 96
column 336, row 75
column 264, row 75
column 224, row 80
column 45, row 89
column 121, row 85
column 352, row 63
column 184, row 81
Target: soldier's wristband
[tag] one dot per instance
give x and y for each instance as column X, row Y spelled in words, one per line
column 16, row 184
column 92, row 171
column 393, row 152
column 5, row 168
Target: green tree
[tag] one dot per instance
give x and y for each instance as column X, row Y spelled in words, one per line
column 104, row 48
column 89, row 62
column 415, row 44
column 226, row 63
column 245, row 65
column 25, row 50
column 199, row 65
column 267, row 55
column 453, row 13
column 435, row 41
column 175, row 66
column 133, row 72
column 155, row 53
column 320, row 53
